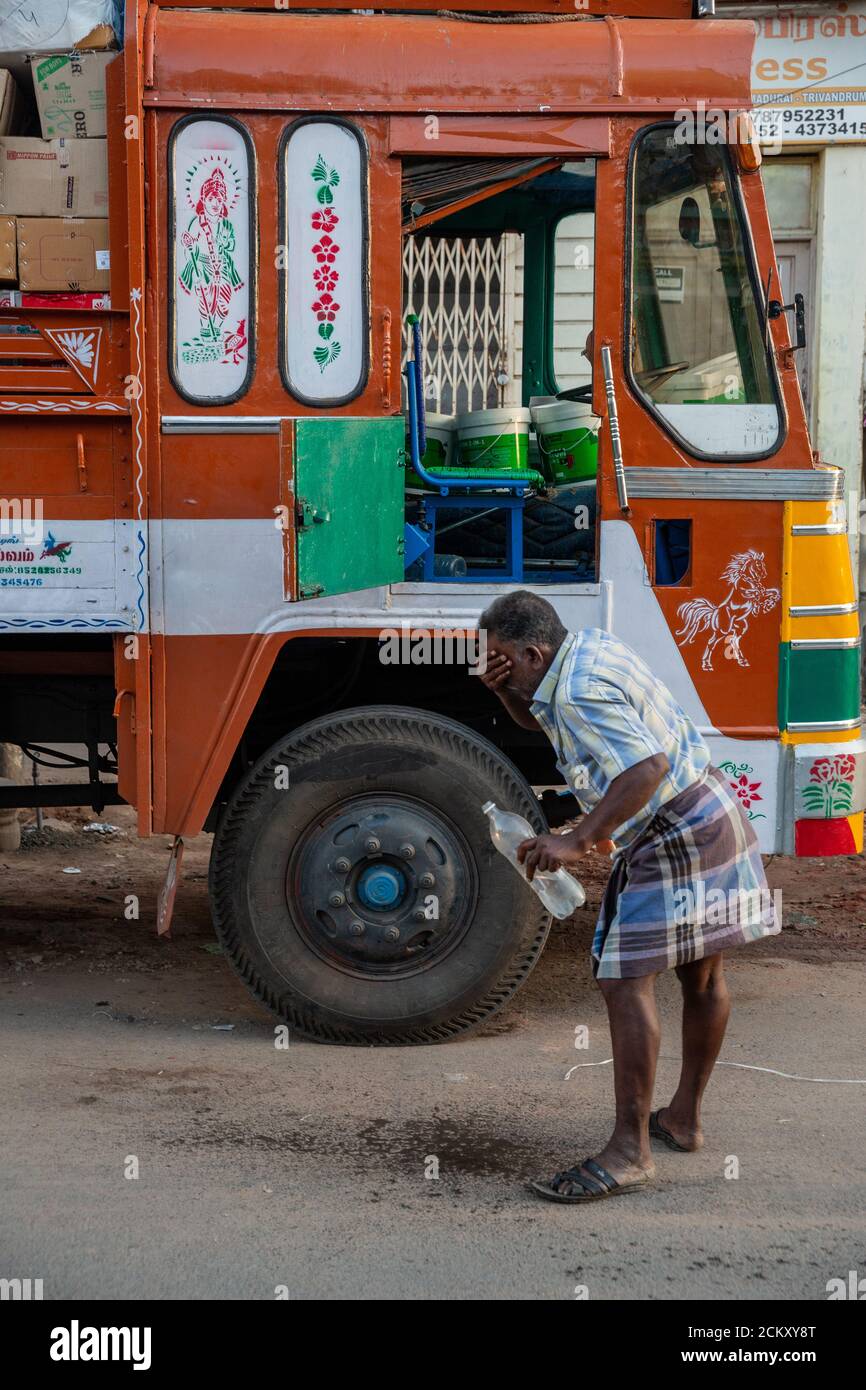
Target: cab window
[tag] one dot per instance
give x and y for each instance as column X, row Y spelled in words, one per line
column 212, row 202
column 325, row 297
column 697, row 348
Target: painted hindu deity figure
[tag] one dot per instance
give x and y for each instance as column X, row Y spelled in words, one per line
column 209, row 273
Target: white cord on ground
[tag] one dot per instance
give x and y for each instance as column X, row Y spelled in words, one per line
column 578, row 1065
column 746, row 1066
column 790, row 1076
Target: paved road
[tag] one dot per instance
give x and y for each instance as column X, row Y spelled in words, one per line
column 313, row 1168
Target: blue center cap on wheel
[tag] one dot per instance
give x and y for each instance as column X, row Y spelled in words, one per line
column 381, row 886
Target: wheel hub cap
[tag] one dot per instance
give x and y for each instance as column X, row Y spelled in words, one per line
column 382, row 885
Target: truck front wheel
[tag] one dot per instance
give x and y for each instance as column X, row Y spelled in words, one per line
column 355, row 887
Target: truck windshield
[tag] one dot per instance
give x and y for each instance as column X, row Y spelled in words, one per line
column 697, row 349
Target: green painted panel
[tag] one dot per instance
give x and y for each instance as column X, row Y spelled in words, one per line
column 818, row 684
column 349, row 488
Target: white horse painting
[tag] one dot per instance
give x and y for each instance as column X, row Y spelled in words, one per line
column 728, row 621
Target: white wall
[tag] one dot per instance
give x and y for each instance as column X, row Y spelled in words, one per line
column 840, row 318
column 575, row 268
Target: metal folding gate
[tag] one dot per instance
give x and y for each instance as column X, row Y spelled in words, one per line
column 463, row 291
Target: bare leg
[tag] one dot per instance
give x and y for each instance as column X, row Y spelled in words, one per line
column 706, row 1007
column 635, row 1033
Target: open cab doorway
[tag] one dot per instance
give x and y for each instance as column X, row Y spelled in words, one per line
column 498, row 272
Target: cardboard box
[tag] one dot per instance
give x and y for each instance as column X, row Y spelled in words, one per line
column 53, row 178
column 70, row 94
column 100, row 36
column 8, row 251
column 63, row 253
column 9, row 98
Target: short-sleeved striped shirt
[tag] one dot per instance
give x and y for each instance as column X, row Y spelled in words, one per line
column 604, row 710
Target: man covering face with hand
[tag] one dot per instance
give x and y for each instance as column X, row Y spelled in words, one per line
column 642, row 772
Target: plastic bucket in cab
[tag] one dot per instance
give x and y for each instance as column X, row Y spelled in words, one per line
column 567, row 433
column 494, row 440
column 438, row 453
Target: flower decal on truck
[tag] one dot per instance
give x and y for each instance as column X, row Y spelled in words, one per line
column 80, row 345
column 747, row 792
column 325, row 252
column 830, row 788
column 324, row 308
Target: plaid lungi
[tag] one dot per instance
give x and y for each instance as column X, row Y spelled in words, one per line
column 690, row 885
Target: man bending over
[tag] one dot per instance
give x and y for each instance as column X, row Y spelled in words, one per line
column 642, row 772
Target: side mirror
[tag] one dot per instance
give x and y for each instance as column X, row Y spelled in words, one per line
column 690, row 222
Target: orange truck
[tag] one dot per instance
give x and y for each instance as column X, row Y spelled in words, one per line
column 214, row 485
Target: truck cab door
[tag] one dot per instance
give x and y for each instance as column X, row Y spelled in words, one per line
column 348, row 513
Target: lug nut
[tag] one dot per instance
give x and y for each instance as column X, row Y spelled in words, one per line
column 342, row 866
column 337, row 899
column 357, row 929
column 426, row 880
column 392, row 934
column 407, row 851
column 419, row 915
column 372, row 845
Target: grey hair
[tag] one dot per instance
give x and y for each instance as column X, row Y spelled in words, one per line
column 524, row 618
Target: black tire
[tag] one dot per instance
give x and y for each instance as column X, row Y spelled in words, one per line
column 273, row 860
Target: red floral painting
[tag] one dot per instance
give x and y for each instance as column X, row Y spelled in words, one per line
column 325, row 250
column 740, row 776
column 830, row 790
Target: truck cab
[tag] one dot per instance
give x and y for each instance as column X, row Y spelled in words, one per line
column 236, row 493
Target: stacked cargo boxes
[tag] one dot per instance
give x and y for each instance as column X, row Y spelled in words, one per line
column 54, row 248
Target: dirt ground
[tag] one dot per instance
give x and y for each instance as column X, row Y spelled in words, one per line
column 370, row 1173
column 51, row 917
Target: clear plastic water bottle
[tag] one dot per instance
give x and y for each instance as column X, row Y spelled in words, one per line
column 560, row 893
